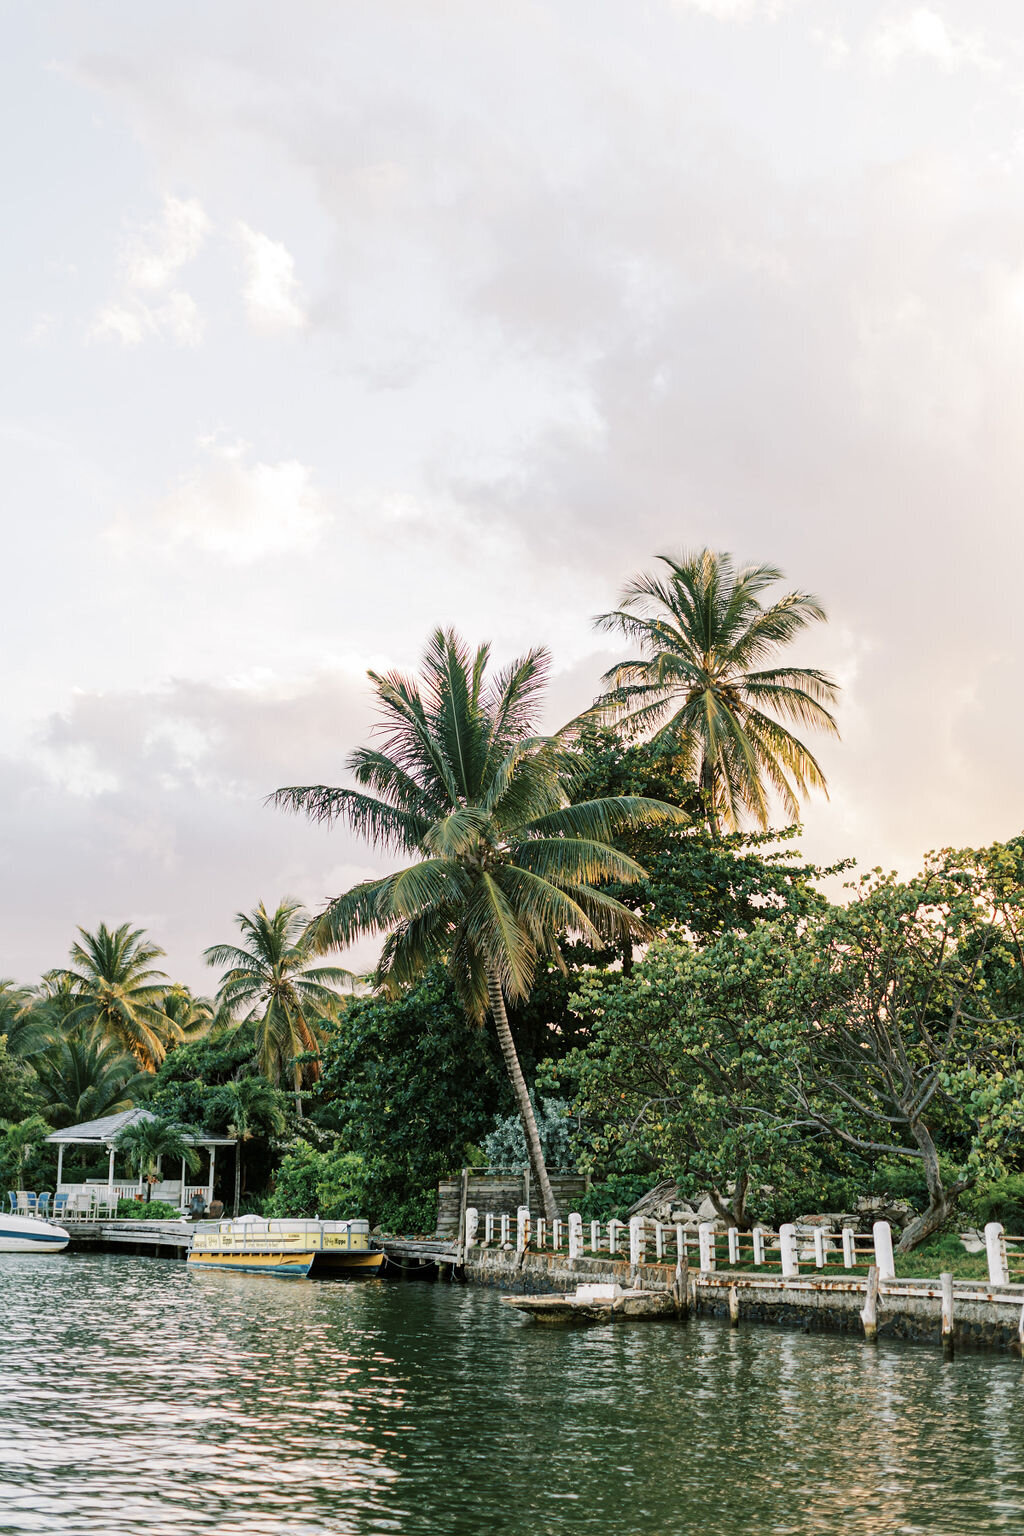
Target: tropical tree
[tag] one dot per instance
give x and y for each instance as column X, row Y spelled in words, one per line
column 705, row 637
column 146, row 1141
column 272, row 983
column 254, row 1106
column 194, row 1016
column 17, row 1139
column 118, row 991
column 27, row 1031
column 507, row 865
column 83, row 1076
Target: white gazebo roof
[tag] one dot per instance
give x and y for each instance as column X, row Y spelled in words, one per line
column 101, row 1133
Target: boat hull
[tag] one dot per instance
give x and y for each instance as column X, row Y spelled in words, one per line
column 285, row 1265
column 28, row 1234
column 334, row 1262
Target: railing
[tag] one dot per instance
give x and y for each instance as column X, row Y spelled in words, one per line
column 643, row 1241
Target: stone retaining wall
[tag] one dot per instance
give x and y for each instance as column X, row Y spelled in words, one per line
column 987, row 1321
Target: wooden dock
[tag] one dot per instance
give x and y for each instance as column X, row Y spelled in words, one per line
column 169, row 1237
column 419, row 1250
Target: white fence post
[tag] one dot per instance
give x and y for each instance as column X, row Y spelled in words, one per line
column 787, row 1243
column 819, row 1248
column 681, row 1249
column 575, row 1235
column 506, row 1227
column 472, row 1222
column 542, row 1229
column 995, row 1251
column 758, row 1236
column 556, row 1233
column 522, row 1228
column 706, row 1236
column 849, row 1248
column 659, row 1241
column 613, row 1237
column 636, row 1240
column 882, row 1234
column 595, row 1237
column 488, row 1226
column 734, row 1245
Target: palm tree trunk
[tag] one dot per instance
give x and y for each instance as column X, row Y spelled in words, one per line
column 238, row 1174
column 515, row 1072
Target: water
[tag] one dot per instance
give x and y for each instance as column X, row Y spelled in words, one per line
column 137, row 1397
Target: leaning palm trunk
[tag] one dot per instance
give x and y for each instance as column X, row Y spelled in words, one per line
column 238, row 1175
column 525, row 1107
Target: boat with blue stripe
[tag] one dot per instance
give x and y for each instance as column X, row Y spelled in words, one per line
column 29, row 1234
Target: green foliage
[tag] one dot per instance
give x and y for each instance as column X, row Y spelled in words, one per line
column 1000, row 1200
column 150, row 1210
column 613, row 1196
column 189, row 1085
column 18, row 1139
column 702, row 637
column 119, row 993
column 408, row 1085
column 327, row 1183
column 272, row 985
column 19, row 1094
column 505, row 1145
column 83, row 1075
column 147, row 1140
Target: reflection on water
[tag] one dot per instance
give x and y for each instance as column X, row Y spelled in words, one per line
column 137, row 1397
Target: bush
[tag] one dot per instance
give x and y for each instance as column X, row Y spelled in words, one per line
column 328, row 1184
column 138, row 1210
column 614, row 1196
column 1002, row 1200
column 506, row 1145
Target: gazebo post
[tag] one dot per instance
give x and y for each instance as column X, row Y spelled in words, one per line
column 60, row 1163
column 184, row 1203
column 209, row 1193
column 110, row 1176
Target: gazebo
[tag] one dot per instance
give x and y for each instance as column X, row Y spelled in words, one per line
column 103, row 1133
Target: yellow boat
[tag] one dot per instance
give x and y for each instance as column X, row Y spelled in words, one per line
column 254, row 1245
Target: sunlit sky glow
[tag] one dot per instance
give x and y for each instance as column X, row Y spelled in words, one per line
column 326, row 323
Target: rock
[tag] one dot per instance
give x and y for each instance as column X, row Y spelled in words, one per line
column 706, row 1210
column 885, row 1208
column 973, row 1241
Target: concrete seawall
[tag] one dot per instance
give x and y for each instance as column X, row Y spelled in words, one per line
column 984, row 1317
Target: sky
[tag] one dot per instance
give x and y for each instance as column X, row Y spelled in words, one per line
column 327, row 323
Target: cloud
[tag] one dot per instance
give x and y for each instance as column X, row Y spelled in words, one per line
column 151, row 258
column 924, row 34
column 736, row 10
column 155, row 254
column 243, row 511
column 273, row 297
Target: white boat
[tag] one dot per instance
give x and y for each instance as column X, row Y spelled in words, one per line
column 27, row 1234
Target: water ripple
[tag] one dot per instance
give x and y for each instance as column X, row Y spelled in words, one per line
column 136, row 1397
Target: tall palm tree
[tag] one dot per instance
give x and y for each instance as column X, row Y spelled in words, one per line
column 253, row 1106
column 195, row 1017
column 705, row 637
column 119, row 992
column 146, row 1141
column 22, row 1022
column 272, row 983
column 506, row 864
column 83, row 1076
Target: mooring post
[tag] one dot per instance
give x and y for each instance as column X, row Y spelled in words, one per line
column 869, row 1316
column 995, row 1250
column 1020, row 1332
column 522, row 1228
column 787, row 1248
column 882, row 1234
column 472, row 1222
column 734, row 1307
column 706, row 1238
column 849, row 1248
column 946, row 1282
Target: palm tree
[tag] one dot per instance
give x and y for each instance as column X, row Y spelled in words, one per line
column 507, row 865
column 146, row 1141
column 195, row 1017
column 705, row 636
column 272, row 984
column 84, row 1076
column 22, row 1022
column 118, row 991
column 253, row 1105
